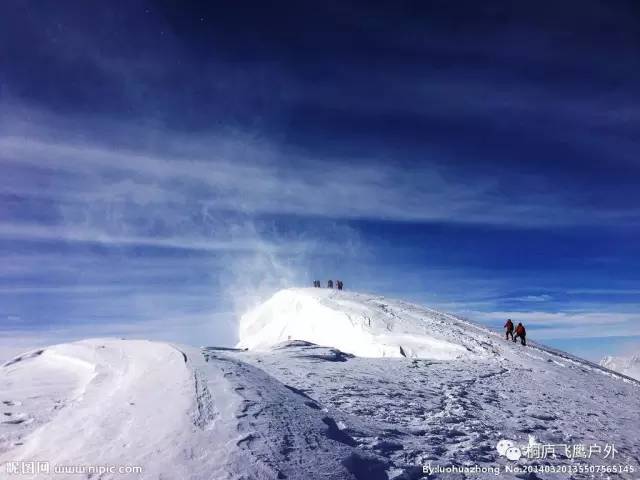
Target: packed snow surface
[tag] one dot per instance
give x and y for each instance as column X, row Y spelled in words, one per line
column 114, row 402
column 439, row 391
column 628, row 365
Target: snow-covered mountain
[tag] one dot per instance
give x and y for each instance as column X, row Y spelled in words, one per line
column 335, row 385
column 363, row 325
column 628, row 365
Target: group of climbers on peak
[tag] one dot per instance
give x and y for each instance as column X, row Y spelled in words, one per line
column 338, row 284
column 513, row 332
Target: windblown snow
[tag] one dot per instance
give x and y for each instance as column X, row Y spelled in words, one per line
column 358, row 324
column 335, row 385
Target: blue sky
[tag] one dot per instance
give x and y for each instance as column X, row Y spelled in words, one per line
column 164, row 166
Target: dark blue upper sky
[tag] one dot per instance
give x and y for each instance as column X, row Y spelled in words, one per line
column 166, row 164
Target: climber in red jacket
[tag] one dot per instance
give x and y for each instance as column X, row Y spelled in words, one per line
column 522, row 333
column 509, row 327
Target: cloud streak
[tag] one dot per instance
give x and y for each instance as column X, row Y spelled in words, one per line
column 258, row 179
column 545, row 325
column 72, row 234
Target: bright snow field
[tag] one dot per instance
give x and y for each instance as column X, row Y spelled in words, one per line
column 335, row 385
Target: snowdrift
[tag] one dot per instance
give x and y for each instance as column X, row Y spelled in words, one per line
column 363, row 325
column 110, row 402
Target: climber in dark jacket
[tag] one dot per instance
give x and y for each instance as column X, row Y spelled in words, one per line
column 330, row 284
column 509, row 327
column 522, row 333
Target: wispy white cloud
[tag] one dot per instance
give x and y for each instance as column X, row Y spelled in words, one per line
column 256, row 177
column 88, row 235
column 577, row 331
column 604, row 291
column 563, row 318
column 532, row 298
column 567, row 324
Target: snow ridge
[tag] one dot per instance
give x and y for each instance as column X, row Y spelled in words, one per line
column 363, row 325
column 374, row 326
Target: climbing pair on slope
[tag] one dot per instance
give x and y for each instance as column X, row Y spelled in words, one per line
column 520, row 331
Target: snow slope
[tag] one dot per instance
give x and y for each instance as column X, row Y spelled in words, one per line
column 439, row 391
column 627, row 365
column 176, row 412
column 414, row 412
column 108, row 402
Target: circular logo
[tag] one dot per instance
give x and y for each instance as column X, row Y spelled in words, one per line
column 513, row 453
column 503, row 446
